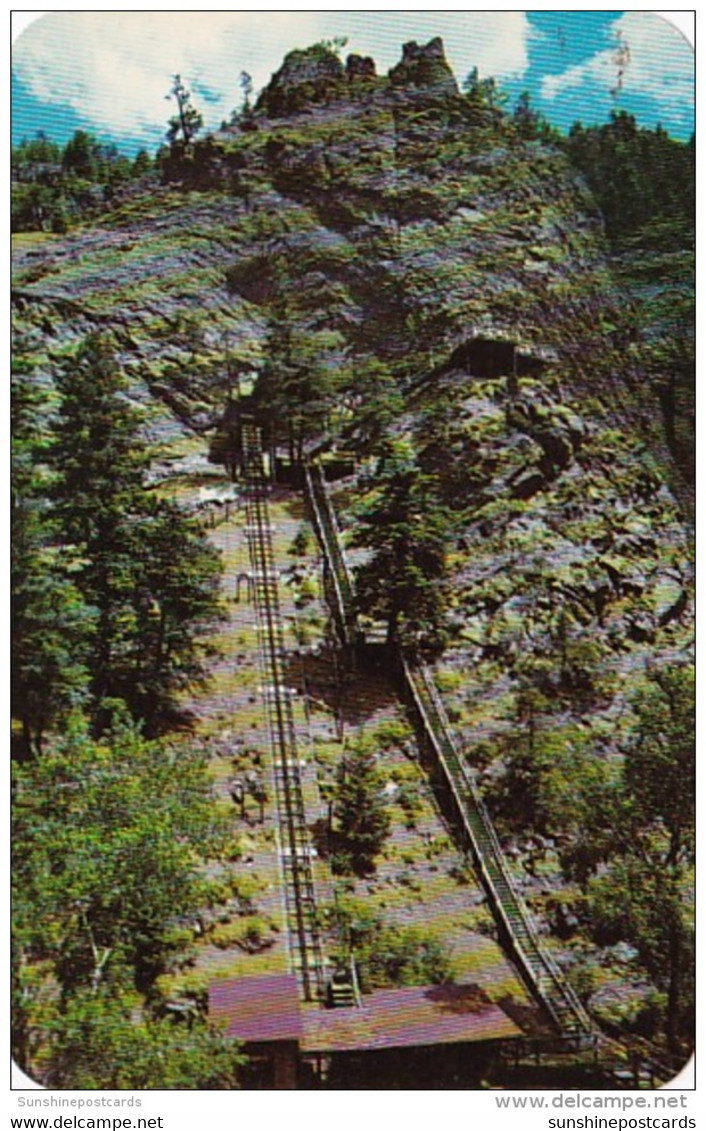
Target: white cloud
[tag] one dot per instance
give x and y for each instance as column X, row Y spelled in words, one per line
column 495, row 42
column 114, row 68
column 660, row 64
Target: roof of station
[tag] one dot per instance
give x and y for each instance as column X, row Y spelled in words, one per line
column 265, row 1009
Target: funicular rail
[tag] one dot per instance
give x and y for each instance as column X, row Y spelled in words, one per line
column 541, row 973
column 296, row 848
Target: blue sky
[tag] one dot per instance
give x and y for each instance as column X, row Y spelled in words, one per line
column 109, row 72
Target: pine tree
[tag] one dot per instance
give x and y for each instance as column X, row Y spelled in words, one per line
column 51, row 623
column 176, row 602
column 297, row 389
column 632, row 842
column 405, row 527
column 147, row 570
column 360, row 809
column 187, row 122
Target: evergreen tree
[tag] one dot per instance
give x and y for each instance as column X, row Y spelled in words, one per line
column 643, row 181
column 187, row 122
column 51, row 623
column 176, row 601
column 363, row 821
column 82, row 156
column 484, row 100
column 142, row 163
column 654, row 877
column 32, row 158
column 630, row 840
column 146, row 569
column 246, row 85
column 99, row 497
column 529, row 124
column 373, row 397
column 405, row 527
column 297, row 388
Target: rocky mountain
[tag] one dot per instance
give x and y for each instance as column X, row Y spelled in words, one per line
column 388, row 233
column 389, row 221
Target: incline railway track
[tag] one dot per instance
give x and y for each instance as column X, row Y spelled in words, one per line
column 540, row 972
column 295, row 845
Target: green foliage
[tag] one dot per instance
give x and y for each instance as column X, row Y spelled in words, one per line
column 392, row 956
column 296, row 390
column 95, row 1042
column 187, row 121
column 393, row 732
column 551, row 774
column 51, row 623
column 81, row 156
column 301, row 542
column 109, row 837
column 29, row 154
column 660, row 764
column 251, row 933
column 665, row 289
column 406, row 529
column 643, row 180
column 570, row 668
column 409, row 802
column 374, row 398
column 54, row 187
column 33, row 207
column 360, row 809
column 484, row 101
column 628, row 833
column 529, row 124
column 146, row 569
column 142, row 163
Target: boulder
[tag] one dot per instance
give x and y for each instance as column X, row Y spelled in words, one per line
column 528, row 484
column 557, row 448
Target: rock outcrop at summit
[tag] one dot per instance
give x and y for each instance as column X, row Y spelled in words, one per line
column 425, row 68
column 316, row 76
column 306, row 78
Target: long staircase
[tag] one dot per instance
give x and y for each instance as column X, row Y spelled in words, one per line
column 295, row 847
column 540, row 972
column 337, row 580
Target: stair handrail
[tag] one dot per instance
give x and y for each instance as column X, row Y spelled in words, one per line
column 329, row 538
column 498, row 856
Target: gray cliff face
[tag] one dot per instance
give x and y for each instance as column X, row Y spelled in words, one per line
column 400, row 233
column 394, row 230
